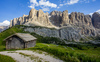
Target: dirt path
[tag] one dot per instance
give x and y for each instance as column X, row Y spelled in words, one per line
column 30, row 56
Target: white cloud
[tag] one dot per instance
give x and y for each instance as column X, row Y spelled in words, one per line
column 91, row 14
column 5, row 23
column 98, row 11
column 61, row 4
column 72, row 2
column 33, row 3
column 95, row 11
column 32, row 6
column 69, row 13
column 68, row 2
column 45, row 9
column 45, row 5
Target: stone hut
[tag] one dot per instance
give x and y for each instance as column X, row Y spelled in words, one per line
column 20, row 41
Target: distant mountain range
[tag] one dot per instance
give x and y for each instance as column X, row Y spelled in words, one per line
column 72, row 26
column 2, row 28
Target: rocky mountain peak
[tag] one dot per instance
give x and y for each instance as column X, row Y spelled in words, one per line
column 58, row 19
column 80, row 19
column 96, row 20
column 35, row 18
column 32, row 13
column 65, row 18
column 55, row 13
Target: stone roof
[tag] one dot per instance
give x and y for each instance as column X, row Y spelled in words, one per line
column 24, row 36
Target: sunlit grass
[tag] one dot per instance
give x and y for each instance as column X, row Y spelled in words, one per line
column 4, row 58
column 68, row 54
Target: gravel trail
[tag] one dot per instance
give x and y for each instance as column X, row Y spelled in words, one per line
column 30, row 56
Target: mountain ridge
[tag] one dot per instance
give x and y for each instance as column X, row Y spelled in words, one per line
column 71, row 25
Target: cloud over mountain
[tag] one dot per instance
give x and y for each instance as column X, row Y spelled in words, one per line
column 45, row 5
column 5, row 23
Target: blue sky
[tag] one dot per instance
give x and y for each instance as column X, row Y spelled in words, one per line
column 10, row 9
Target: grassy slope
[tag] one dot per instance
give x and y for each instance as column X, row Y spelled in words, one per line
column 68, row 54
column 79, row 54
column 4, row 58
column 7, row 33
column 19, row 29
column 4, row 35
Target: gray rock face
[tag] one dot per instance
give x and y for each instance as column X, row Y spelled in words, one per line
column 59, row 18
column 62, row 18
column 83, row 21
column 80, row 19
column 44, row 31
column 74, row 19
column 68, row 33
column 56, row 18
column 96, row 20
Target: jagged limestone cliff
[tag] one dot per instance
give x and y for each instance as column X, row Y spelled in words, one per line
column 96, row 21
column 35, row 18
column 72, row 26
column 79, row 20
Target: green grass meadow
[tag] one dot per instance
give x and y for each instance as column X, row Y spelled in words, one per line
column 4, row 58
column 70, row 54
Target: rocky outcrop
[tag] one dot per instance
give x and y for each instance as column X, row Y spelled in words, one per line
column 35, row 17
column 19, row 21
column 84, row 22
column 96, row 20
column 74, row 19
column 79, row 19
column 65, row 18
column 59, row 18
column 56, row 18
column 68, row 33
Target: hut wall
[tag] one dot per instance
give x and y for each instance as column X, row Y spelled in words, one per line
column 30, row 44
column 15, row 43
